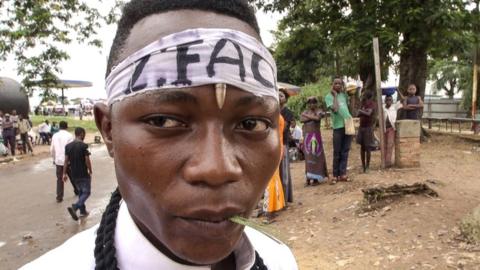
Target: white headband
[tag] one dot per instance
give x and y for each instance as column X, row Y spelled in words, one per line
column 196, row 57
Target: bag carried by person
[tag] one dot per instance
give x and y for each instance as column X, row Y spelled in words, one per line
column 349, row 126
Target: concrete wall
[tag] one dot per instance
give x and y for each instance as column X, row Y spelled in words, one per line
column 444, row 108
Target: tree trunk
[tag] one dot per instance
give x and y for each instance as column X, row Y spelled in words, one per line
column 413, row 69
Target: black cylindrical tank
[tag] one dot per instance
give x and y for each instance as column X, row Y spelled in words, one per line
column 12, row 97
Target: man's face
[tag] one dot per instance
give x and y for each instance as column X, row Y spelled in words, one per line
column 337, row 85
column 183, row 165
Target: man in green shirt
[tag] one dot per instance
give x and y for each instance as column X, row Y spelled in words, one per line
column 337, row 103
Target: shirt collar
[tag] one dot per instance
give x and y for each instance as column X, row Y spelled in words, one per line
column 134, row 251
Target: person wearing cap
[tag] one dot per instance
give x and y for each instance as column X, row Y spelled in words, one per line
column 8, row 134
column 315, row 162
column 192, row 124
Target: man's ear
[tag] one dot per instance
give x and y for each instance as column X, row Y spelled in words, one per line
column 103, row 120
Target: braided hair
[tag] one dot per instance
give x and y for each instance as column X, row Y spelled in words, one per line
column 105, row 258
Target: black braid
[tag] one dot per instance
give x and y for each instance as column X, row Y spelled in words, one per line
column 104, row 243
column 259, row 265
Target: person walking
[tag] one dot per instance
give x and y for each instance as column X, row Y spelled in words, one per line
column 8, row 134
column 57, row 149
column 24, row 127
column 77, row 159
column 315, row 162
column 365, row 135
column 337, row 103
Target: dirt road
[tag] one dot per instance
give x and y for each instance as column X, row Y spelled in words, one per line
column 326, row 228
column 32, row 222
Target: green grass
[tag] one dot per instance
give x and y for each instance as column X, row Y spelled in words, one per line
column 88, row 125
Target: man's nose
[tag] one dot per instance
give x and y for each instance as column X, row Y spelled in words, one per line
column 214, row 161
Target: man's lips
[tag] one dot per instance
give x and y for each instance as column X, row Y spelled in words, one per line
column 212, row 215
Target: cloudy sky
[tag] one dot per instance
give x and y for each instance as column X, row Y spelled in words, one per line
column 88, row 63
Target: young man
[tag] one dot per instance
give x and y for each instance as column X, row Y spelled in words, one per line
column 24, row 127
column 337, row 103
column 365, row 135
column 192, row 124
column 57, row 149
column 77, row 159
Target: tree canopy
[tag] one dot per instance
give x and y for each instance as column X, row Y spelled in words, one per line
column 33, row 33
column 319, row 37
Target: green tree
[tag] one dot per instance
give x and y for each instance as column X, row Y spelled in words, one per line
column 33, row 32
column 451, row 76
column 412, row 30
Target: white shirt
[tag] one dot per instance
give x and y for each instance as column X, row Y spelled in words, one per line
column 297, row 133
column 391, row 112
column 44, row 128
column 135, row 252
column 57, row 149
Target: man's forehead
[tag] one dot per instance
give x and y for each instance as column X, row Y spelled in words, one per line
column 159, row 25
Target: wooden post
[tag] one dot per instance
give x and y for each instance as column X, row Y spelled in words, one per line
column 378, row 76
column 476, row 70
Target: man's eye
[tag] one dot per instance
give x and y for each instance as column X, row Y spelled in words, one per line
column 165, row 122
column 255, row 125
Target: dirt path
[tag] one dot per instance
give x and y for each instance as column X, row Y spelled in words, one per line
column 326, row 229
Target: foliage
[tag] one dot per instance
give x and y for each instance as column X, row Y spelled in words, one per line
column 33, row 32
column 450, row 75
column 341, row 32
column 88, row 125
column 319, row 90
column 470, row 227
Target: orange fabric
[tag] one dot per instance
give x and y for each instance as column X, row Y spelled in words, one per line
column 274, row 196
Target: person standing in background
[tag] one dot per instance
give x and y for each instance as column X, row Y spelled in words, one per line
column 390, row 117
column 24, row 127
column 365, row 135
column 288, row 116
column 57, row 149
column 412, row 104
column 14, row 118
column 337, row 103
column 315, row 162
column 8, row 134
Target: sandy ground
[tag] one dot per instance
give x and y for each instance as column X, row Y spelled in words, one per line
column 324, row 227
column 327, row 229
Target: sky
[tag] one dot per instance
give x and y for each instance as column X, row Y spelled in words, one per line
column 88, row 63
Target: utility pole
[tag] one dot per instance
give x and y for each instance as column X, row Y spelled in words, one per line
column 378, row 76
column 476, row 68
